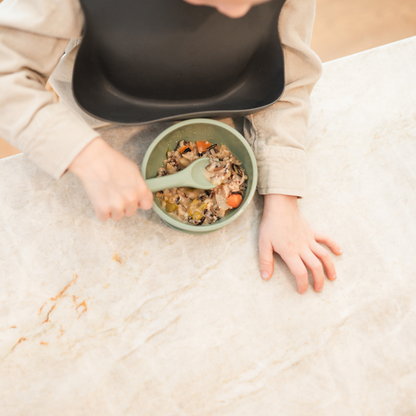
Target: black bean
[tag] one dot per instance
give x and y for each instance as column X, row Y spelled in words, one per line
column 211, row 147
column 200, row 221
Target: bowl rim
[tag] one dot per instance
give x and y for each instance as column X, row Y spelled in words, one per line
column 222, row 223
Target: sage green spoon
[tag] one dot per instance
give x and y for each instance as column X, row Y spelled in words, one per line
column 192, row 176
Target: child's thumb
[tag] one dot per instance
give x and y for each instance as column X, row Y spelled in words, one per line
column 266, row 259
column 146, row 201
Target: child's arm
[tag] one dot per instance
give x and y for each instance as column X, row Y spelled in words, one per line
column 33, row 37
column 277, row 136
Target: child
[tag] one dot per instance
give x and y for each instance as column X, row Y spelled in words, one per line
column 33, row 37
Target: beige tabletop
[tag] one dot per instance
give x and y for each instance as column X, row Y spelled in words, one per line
column 134, row 318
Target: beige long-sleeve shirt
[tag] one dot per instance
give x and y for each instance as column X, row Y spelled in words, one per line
column 33, row 37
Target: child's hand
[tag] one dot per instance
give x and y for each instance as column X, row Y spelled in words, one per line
column 284, row 229
column 112, row 181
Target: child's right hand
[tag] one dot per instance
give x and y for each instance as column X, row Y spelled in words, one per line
column 113, row 182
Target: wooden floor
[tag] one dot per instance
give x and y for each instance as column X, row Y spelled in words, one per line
column 344, row 27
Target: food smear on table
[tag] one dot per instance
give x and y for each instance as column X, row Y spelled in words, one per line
column 18, row 342
column 198, row 206
column 117, row 258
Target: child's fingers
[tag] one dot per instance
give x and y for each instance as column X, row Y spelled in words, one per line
column 145, row 195
column 146, row 201
column 102, row 215
column 266, row 259
column 315, row 266
column 327, row 240
column 117, row 213
column 324, row 256
column 298, row 270
column 131, row 209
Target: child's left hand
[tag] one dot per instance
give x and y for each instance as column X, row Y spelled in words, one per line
column 284, row 229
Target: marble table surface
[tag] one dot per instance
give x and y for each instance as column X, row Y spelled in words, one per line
column 134, row 318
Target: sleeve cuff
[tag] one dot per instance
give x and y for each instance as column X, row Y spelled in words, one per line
column 281, row 171
column 55, row 137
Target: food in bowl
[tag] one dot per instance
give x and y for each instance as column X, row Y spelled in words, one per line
column 215, row 132
column 197, row 206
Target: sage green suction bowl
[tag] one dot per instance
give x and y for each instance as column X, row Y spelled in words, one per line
column 214, row 132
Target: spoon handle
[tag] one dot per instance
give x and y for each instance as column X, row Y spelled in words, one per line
column 192, row 176
column 165, row 182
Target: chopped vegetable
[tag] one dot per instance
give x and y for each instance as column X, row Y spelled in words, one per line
column 171, row 207
column 196, row 215
column 185, row 149
column 194, row 202
column 234, row 200
column 222, row 201
column 202, row 145
column 196, row 212
column 183, row 163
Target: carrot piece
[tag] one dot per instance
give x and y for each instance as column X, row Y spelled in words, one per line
column 202, row 145
column 183, row 148
column 234, row 200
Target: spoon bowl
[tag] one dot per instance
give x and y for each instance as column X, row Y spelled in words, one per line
column 192, row 176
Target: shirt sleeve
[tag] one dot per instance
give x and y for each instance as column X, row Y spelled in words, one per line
column 33, row 37
column 277, row 134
